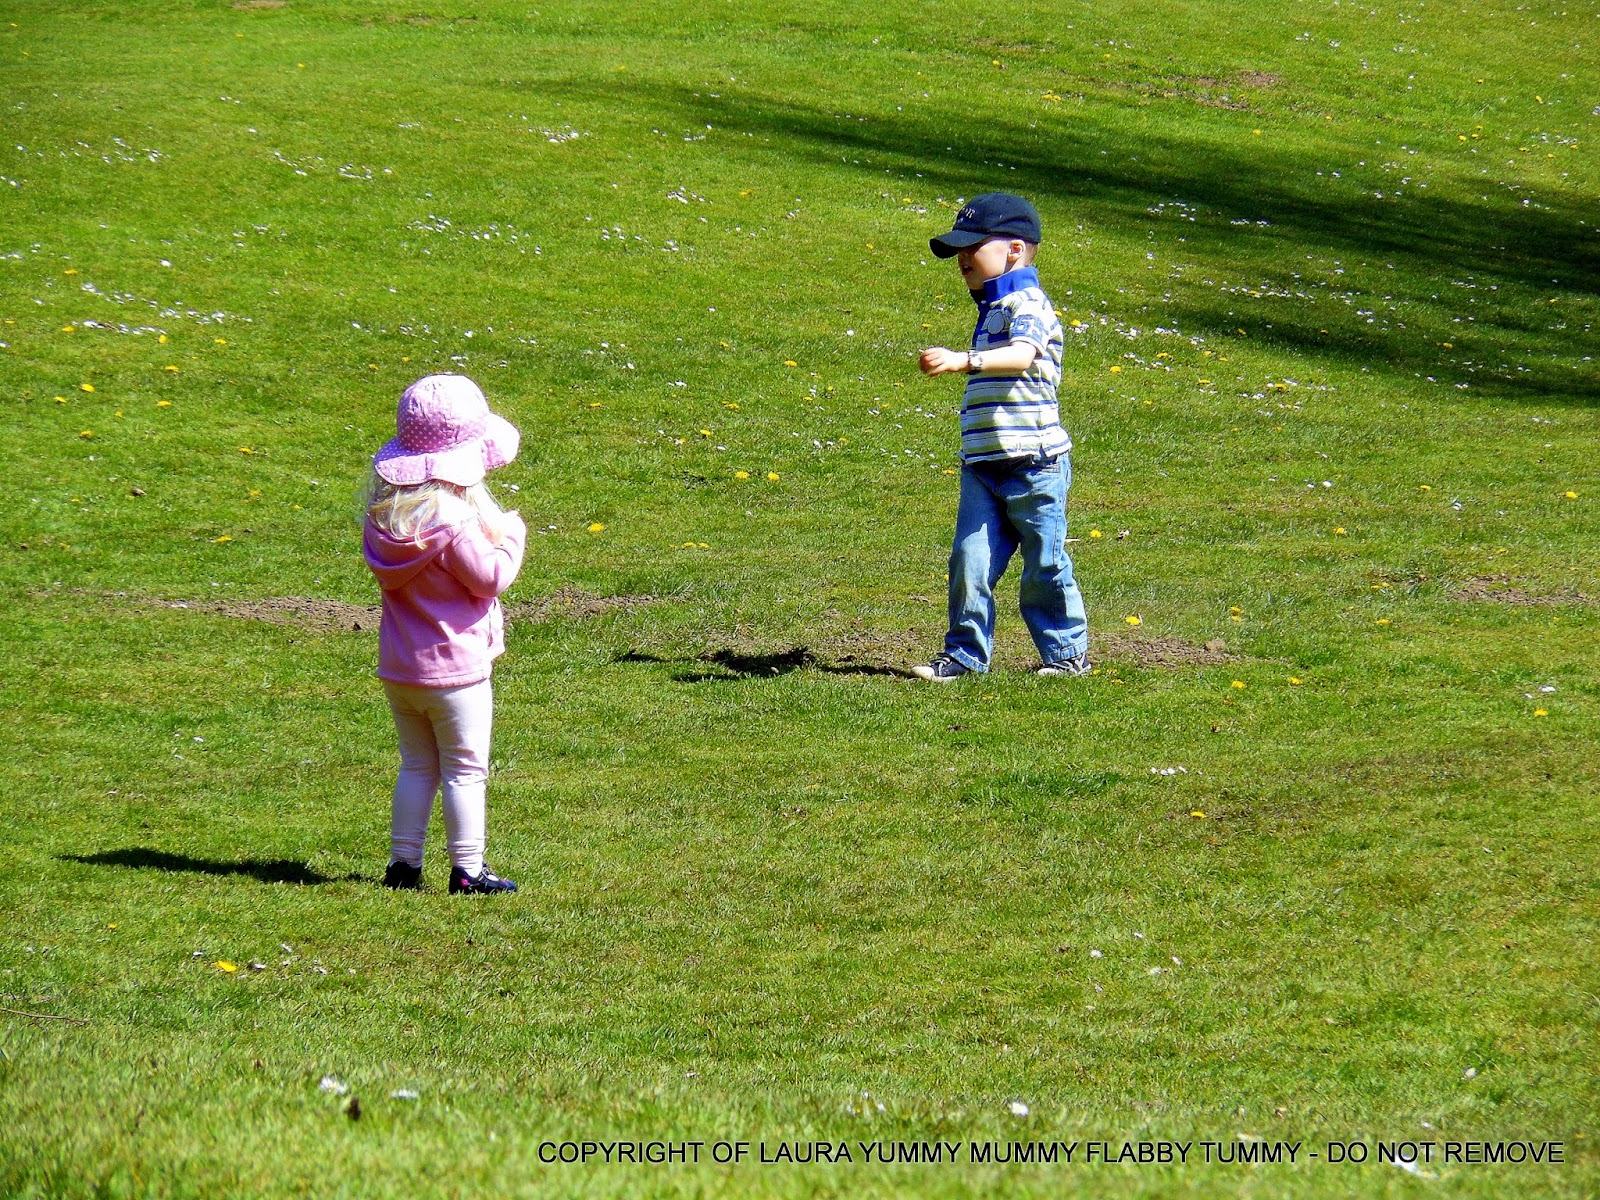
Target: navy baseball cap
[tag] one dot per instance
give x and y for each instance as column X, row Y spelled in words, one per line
column 994, row 214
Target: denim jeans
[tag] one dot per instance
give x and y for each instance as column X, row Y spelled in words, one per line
column 1006, row 505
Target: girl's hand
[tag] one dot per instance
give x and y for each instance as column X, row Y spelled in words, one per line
column 936, row 360
column 495, row 530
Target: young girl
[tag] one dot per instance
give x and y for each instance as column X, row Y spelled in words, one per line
column 443, row 551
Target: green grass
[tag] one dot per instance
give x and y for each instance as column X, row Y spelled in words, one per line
column 773, row 891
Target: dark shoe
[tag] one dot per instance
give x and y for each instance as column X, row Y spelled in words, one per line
column 485, row 883
column 1078, row 665
column 402, row 875
column 943, row 669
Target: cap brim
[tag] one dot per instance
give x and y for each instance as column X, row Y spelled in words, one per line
column 947, row 245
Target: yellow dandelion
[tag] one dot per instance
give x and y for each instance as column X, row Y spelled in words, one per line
column 1116, row 370
column 224, row 538
column 225, row 966
column 1338, row 530
column 595, row 403
column 1095, row 535
column 949, row 471
column 1295, row 681
column 1196, row 813
column 1256, row 132
column 1572, row 495
column 1238, row 683
column 703, row 545
column 1383, row 620
column 220, row 341
column 86, row 433
column 741, row 474
column 163, row 403
column 1422, row 487
column 1134, row 620
column 1541, row 712
column 61, row 399
column 789, row 362
column 162, row 339
column 69, row 329
column 772, row 477
column 405, row 358
column 72, row 270
column 597, row 527
column 1205, row 381
column 86, row 387
column 1234, row 608
column 246, row 450
column 705, row 433
column 170, row 368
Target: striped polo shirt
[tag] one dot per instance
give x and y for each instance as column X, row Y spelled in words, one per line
column 1014, row 415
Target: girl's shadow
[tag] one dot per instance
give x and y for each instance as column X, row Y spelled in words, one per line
column 277, row 870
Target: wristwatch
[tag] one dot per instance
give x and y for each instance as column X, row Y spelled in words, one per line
column 974, row 362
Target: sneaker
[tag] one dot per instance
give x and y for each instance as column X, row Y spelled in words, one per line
column 1077, row 665
column 402, row 875
column 485, row 883
column 942, row 669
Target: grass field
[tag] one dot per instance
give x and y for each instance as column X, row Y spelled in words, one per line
column 1309, row 859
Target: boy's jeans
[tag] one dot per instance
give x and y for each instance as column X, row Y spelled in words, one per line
column 1004, row 505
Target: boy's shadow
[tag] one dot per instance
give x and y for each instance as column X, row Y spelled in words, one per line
column 277, row 870
column 733, row 665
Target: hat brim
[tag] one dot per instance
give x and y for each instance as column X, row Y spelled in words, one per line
column 463, row 465
column 948, row 245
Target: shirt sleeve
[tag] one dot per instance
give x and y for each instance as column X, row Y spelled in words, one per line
column 483, row 568
column 1030, row 323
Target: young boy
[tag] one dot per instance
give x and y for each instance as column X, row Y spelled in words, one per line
column 1014, row 466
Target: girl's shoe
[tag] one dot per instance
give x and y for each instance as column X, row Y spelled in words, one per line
column 402, row 875
column 485, row 883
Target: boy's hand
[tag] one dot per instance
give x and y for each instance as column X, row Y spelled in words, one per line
column 936, row 360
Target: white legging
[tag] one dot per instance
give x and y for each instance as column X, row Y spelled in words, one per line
column 444, row 738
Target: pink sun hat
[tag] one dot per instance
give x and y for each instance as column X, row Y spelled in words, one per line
column 446, row 432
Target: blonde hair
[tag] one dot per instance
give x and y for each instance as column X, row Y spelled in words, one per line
column 410, row 511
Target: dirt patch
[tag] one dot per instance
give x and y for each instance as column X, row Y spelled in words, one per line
column 1168, row 652
column 574, row 603
column 1260, row 79
column 1503, row 589
column 302, row 612
column 247, row 4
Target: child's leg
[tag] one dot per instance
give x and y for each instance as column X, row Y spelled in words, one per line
column 463, row 719
column 984, row 544
column 1052, row 605
column 418, row 780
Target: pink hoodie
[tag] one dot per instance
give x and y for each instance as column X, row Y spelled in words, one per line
column 441, row 620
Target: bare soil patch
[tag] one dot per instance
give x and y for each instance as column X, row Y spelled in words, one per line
column 574, row 603
column 1503, row 589
column 303, row 612
column 1161, row 652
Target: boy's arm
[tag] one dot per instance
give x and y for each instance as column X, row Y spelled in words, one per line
column 1007, row 360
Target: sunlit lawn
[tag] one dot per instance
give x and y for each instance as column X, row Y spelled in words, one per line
column 1308, row 859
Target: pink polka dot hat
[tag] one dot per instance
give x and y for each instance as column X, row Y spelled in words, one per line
column 446, row 432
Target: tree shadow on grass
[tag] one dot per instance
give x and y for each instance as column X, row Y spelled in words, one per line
column 1490, row 254
column 277, row 870
column 732, row 664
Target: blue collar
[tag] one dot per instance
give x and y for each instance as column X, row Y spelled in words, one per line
column 1004, row 285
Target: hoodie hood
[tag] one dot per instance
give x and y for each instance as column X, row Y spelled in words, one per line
column 397, row 561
